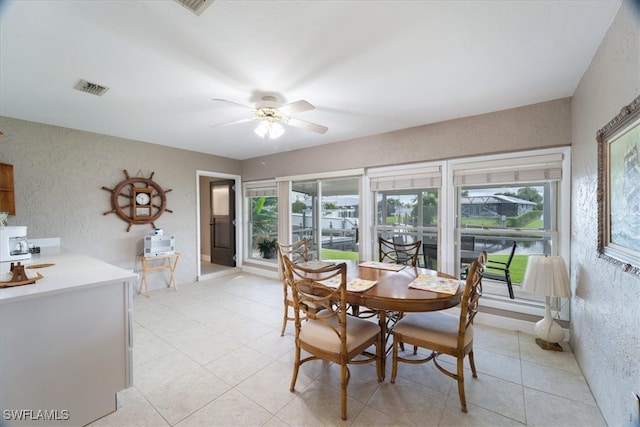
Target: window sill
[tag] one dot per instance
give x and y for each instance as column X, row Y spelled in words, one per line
column 495, row 296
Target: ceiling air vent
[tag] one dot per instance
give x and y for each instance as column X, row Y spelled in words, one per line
column 196, row 6
column 92, row 88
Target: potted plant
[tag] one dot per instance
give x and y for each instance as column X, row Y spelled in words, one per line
column 267, row 246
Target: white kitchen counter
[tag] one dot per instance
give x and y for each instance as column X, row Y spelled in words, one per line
column 70, row 271
column 65, row 341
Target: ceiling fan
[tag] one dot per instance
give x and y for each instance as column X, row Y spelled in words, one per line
column 271, row 116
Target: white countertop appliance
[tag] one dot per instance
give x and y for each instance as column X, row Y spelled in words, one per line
column 159, row 245
column 13, row 246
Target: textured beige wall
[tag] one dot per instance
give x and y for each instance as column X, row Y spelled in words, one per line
column 535, row 126
column 605, row 319
column 59, row 174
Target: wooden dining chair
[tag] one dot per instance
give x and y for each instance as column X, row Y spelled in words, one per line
column 297, row 252
column 443, row 333
column 482, row 260
column 329, row 334
column 398, row 252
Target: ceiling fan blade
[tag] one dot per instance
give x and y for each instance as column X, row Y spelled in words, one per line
column 232, row 103
column 234, row 122
column 307, row 125
column 296, row 107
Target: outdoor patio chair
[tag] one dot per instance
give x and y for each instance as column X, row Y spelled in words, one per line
column 430, row 255
column 497, row 270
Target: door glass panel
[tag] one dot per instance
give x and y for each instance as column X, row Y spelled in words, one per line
column 220, row 195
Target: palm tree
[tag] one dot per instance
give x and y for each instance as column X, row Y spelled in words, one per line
column 264, row 215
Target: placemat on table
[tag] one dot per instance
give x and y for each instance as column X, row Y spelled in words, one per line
column 443, row 285
column 353, row 284
column 382, row 265
column 315, row 265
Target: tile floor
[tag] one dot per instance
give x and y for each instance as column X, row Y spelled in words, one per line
column 211, row 354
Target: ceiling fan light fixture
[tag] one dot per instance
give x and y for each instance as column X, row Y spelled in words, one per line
column 271, row 117
column 269, row 128
column 275, row 130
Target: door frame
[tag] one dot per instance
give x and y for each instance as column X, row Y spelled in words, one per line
column 238, row 218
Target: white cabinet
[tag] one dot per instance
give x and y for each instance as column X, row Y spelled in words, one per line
column 65, row 342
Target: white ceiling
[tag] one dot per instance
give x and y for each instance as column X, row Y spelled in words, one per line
column 368, row 66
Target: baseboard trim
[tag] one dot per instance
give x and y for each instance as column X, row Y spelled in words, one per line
column 272, row 274
column 225, row 272
column 511, row 324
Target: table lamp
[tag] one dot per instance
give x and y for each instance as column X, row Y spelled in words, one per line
column 547, row 275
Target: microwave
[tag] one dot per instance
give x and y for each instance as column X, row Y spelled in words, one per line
column 159, row 245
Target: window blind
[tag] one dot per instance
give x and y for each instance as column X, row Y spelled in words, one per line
column 509, row 171
column 260, row 189
column 406, row 179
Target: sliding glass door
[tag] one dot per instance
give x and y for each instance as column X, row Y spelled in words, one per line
column 304, row 224
column 326, row 212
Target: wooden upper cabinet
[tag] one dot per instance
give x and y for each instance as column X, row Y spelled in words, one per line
column 7, row 195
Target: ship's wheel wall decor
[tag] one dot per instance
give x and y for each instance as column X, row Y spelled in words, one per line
column 138, row 200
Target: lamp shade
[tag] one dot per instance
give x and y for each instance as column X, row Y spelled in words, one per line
column 546, row 275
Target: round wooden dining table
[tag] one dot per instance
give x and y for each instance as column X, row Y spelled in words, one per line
column 392, row 293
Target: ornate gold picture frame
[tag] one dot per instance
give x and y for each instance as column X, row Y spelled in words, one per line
column 619, row 189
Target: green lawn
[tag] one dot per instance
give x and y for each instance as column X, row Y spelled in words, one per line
column 517, row 268
column 334, row 254
column 480, row 222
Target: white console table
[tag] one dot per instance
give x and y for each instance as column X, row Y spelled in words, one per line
column 66, row 341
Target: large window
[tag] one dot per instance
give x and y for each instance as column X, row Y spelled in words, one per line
column 407, row 208
column 262, row 221
column 460, row 207
column 408, row 216
column 455, row 207
column 505, row 200
column 493, row 218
